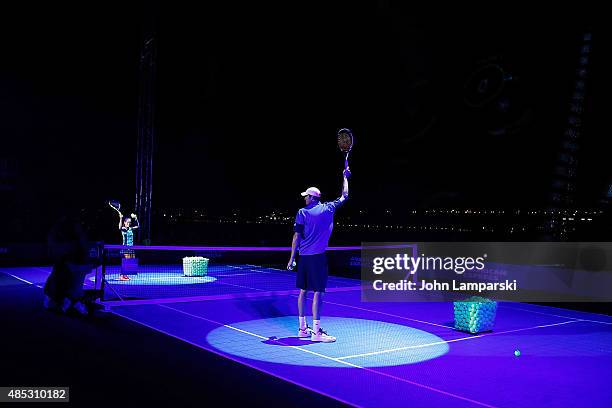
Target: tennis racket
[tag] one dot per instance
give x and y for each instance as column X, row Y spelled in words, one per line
column 345, row 143
column 115, row 205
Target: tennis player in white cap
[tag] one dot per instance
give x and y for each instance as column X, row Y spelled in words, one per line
column 312, row 229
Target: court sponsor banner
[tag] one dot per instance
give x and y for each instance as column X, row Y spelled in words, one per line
column 508, row 271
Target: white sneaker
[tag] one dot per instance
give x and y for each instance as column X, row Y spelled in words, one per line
column 305, row 333
column 322, row 336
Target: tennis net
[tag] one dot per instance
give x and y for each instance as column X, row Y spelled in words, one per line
column 163, row 274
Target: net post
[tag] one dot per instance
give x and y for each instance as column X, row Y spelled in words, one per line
column 103, row 277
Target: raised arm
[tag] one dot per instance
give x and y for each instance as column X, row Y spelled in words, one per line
column 345, row 186
column 136, row 223
column 120, row 219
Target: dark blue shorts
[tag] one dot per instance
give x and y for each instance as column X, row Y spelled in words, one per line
column 312, row 272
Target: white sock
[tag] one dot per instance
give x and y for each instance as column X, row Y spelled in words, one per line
column 316, row 325
column 302, row 322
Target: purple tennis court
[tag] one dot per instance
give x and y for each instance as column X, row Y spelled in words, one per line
column 362, row 204
column 390, row 354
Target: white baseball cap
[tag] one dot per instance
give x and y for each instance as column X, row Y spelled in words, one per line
column 313, row 191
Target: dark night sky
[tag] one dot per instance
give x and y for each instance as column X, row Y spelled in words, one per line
column 249, row 104
column 250, row 98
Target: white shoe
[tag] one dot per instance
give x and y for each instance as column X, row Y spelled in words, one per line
column 305, row 333
column 322, row 337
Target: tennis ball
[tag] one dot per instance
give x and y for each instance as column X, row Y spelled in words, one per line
column 517, row 353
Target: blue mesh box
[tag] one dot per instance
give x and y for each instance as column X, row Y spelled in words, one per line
column 475, row 315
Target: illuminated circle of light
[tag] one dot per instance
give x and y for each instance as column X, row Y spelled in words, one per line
column 360, row 342
column 163, row 278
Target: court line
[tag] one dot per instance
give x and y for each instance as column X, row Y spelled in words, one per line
column 23, row 280
column 296, row 347
column 284, row 272
column 204, row 298
column 353, row 307
column 292, row 293
column 229, row 357
column 383, row 313
column 451, row 327
column 258, row 293
column 149, row 302
column 449, row 394
column 196, row 280
column 252, row 272
column 554, row 315
column 231, row 275
column 247, row 249
column 451, row 341
column 85, row 282
column 250, row 268
column 325, row 302
column 339, row 359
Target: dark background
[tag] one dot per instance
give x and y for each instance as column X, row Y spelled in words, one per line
column 250, row 96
